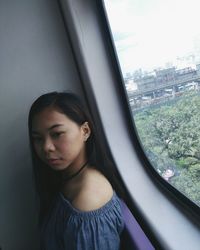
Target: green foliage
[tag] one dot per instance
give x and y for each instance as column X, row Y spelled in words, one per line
column 170, row 136
column 187, row 182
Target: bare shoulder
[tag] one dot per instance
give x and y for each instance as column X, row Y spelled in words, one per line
column 95, row 192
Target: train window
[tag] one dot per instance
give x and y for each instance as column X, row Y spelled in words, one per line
column 158, row 47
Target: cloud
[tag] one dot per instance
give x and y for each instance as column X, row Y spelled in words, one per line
column 150, row 33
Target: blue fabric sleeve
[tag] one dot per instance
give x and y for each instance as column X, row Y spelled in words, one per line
column 95, row 230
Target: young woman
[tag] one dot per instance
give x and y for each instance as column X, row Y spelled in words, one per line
column 79, row 203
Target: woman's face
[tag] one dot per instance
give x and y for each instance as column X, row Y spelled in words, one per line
column 59, row 141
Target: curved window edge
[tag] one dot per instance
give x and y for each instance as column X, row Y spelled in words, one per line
column 194, row 208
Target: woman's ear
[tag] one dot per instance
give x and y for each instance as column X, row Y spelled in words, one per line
column 86, row 130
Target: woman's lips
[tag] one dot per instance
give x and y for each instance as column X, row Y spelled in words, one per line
column 53, row 161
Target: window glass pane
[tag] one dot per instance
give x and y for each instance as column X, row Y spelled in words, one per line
column 158, row 46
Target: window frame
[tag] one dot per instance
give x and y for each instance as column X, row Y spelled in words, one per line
column 191, row 206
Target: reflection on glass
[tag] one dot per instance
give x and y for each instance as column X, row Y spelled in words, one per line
column 158, row 46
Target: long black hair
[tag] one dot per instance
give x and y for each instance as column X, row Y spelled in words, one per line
column 47, row 180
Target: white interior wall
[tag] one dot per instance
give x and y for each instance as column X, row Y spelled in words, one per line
column 35, row 58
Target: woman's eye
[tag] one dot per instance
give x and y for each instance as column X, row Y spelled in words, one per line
column 37, row 139
column 56, row 135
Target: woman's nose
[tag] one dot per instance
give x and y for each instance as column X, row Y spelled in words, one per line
column 48, row 145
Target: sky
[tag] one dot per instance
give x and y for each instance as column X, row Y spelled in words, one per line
column 152, row 33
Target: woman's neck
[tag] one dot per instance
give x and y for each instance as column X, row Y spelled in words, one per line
column 75, row 183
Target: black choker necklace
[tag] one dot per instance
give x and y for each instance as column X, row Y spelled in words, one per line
column 67, row 178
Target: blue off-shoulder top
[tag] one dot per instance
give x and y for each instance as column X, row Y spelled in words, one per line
column 68, row 228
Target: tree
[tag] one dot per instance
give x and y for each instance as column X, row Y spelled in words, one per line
column 170, row 135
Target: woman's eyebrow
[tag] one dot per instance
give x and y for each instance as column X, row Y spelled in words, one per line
column 55, row 126
column 35, row 132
